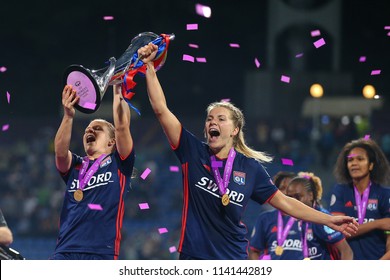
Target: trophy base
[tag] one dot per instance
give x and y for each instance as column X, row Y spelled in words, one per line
column 81, row 80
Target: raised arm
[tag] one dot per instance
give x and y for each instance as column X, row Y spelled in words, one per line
column 62, row 139
column 121, row 115
column 170, row 124
column 344, row 224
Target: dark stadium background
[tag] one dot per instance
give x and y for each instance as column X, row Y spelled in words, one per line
column 38, row 40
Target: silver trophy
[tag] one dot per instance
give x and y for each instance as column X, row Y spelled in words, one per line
column 91, row 85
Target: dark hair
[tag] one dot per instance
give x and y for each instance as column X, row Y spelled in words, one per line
column 311, row 183
column 380, row 174
column 281, row 175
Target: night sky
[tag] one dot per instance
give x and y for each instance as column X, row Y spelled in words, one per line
column 38, row 42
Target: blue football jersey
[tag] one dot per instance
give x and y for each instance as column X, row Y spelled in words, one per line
column 84, row 230
column 320, row 239
column 264, row 237
column 209, row 229
column 372, row 245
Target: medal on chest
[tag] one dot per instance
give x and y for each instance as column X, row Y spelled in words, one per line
column 223, row 182
column 85, row 175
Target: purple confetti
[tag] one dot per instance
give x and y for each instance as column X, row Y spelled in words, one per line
column 3, row 69
column 194, row 46
column 192, row 26
column 225, row 100
column 202, row 10
column 108, row 18
column 8, row 97
column 97, row 207
column 234, row 45
column 387, row 27
column 375, row 72
column 257, row 62
column 174, row 168
column 162, row 230
column 286, row 161
column 319, row 43
column 143, row 206
column 145, row 173
column 89, row 105
column 299, row 55
column 315, row 33
column 189, row 58
column 285, row 79
column 172, row 249
column 367, row 137
column 5, row 127
column 201, row 59
column 362, row 59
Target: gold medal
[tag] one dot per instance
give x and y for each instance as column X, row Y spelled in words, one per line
column 306, row 259
column 279, row 250
column 225, row 200
column 78, row 195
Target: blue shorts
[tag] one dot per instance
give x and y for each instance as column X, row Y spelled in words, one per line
column 82, row 256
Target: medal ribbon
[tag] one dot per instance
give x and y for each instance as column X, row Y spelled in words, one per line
column 283, row 232
column 361, row 203
column 223, row 183
column 305, row 248
column 84, row 175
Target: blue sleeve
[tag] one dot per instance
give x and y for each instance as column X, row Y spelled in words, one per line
column 126, row 165
column 337, row 199
column 326, row 233
column 264, row 188
column 188, row 144
column 384, row 203
column 257, row 237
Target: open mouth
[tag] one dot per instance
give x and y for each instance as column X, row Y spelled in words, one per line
column 214, row 133
column 90, row 138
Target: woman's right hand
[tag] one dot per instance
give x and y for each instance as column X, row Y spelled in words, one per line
column 69, row 99
column 147, row 53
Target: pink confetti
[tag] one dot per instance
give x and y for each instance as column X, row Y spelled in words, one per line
column 286, row 161
column 362, row 59
column 143, row 206
column 315, row 33
column 299, row 55
column 108, row 18
column 194, row 46
column 145, row 173
column 162, row 230
column 387, row 27
column 3, row 69
column 201, row 59
column 319, row 43
column 97, row 207
column 367, row 137
column 202, row 10
column 174, row 168
column 189, row 58
column 192, row 26
column 351, row 155
column 216, row 163
column 5, row 127
column 388, row 34
column 89, row 105
column 172, row 249
column 375, row 72
column 257, row 62
column 285, row 79
column 234, row 45
column 225, row 100
column 8, row 97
